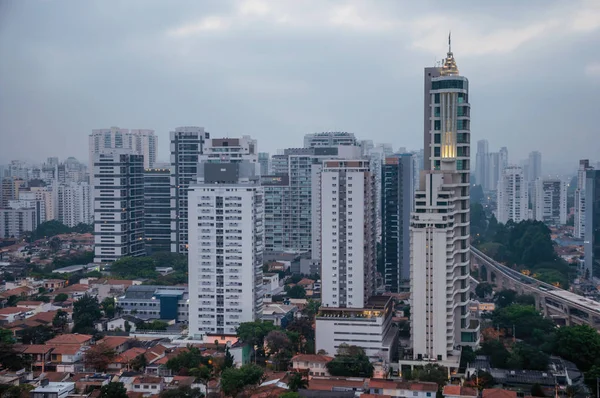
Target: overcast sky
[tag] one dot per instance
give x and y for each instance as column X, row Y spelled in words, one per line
column 277, row 70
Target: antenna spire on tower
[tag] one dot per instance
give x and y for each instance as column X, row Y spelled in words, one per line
column 450, row 41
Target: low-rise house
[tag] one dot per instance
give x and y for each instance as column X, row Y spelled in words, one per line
column 49, row 389
column 35, row 306
column 123, row 360
column 74, row 292
column 39, row 354
column 67, row 358
column 52, row 284
column 71, row 339
column 456, row 391
column 307, row 284
column 356, row 385
column 117, row 343
column 121, row 322
column 148, row 385
column 11, row 314
column 270, row 282
column 498, row 393
column 402, row 389
column 23, row 291
column 104, row 288
column 84, row 381
column 311, row 364
column 279, row 314
column 156, row 302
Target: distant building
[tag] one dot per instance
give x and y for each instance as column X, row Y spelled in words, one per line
column 550, row 201
column 579, row 213
column 481, row 161
column 264, row 161
column 592, row 222
column 118, row 206
column 157, row 210
column 14, row 222
column 329, row 139
column 156, row 302
column 74, row 204
column 513, row 196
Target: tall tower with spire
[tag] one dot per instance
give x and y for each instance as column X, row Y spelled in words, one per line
column 439, row 229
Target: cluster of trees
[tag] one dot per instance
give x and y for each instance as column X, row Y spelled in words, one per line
column 145, row 267
column 350, row 361
column 154, row 325
column 86, row 311
column 526, row 246
column 52, row 228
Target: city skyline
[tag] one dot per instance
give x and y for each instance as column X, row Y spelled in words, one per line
column 272, row 93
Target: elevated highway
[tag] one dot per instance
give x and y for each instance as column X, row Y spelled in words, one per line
column 556, row 303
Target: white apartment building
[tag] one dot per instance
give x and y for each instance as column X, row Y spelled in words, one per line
column 74, row 204
column 550, row 202
column 225, row 248
column 513, row 196
column 348, row 256
column 118, row 205
column 332, row 138
column 13, row 222
column 440, row 257
column 579, row 216
column 138, row 141
column 49, row 196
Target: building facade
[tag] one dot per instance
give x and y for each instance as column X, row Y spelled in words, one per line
column 396, row 205
column 535, row 166
column 550, row 203
column 74, row 203
column 440, row 223
column 14, row 222
column 157, row 210
column 186, row 147
column 277, row 212
column 264, row 161
column 591, row 243
column 139, row 141
column 481, row 161
column 226, row 242
column 118, row 205
column 329, row 139
column 513, row 196
column 579, row 205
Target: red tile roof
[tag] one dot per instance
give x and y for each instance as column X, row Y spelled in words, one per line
column 375, row 396
column 327, row 384
column 114, row 341
column 69, row 349
column 37, row 349
column 498, row 393
column 130, row 355
column 69, row 339
column 148, row 380
column 459, row 391
column 312, row 358
column 12, row 310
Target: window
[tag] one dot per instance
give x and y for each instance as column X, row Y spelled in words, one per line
column 437, row 138
column 437, row 125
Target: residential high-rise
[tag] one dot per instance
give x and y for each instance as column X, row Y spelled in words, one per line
column 118, row 205
column 15, row 221
column 157, row 210
column 550, row 202
column 513, row 196
column 481, row 161
column 493, row 171
column 440, row 223
column 73, row 203
column 277, row 212
column 348, row 233
column 396, row 205
column 503, row 158
column 430, row 74
column 10, row 190
column 140, row 142
column 591, row 243
column 579, row 203
column 329, row 139
column 186, row 147
column 535, row 166
column 225, row 248
column 264, row 160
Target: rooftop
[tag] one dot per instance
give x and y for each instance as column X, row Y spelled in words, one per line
column 70, row 339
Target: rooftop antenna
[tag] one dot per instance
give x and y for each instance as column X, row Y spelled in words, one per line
column 450, row 41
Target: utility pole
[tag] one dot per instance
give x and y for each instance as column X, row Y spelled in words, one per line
column 514, row 336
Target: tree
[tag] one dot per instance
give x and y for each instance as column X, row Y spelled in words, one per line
column 296, row 292
column 506, row 297
column 154, row 325
column 537, row 390
column 55, row 244
column 290, row 394
column 86, row 311
column 60, row 297
column 280, row 347
column 431, row 372
column 6, row 336
column 99, row 357
column 498, row 354
column 254, row 333
column 524, row 319
column 37, row 335
column 182, row 392
column 467, row 356
column 524, row 356
column 311, row 309
column 12, row 391
column 579, row 344
column 139, row 362
column 350, row 361
column 297, row 381
column 60, row 320
column 11, row 359
column 190, row 359
column 229, row 361
column 483, row 290
column 481, row 380
column 134, row 267
column 108, row 306
column 233, row 381
column 113, row 390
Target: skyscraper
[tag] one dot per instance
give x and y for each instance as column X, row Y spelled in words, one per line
column 591, row 243
column 396, row 205
column 481, row 161
column 264, row 160
column 226, row 241
column 513, row 196
column 503, row 158
column 186, row 147
column 535, row 166
column 118, row 205
column 493, row 171
column 440, row 223
column 140, row 142
column 74, row 204
column 579, row 204
column 550, row 202
column 157, row 210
